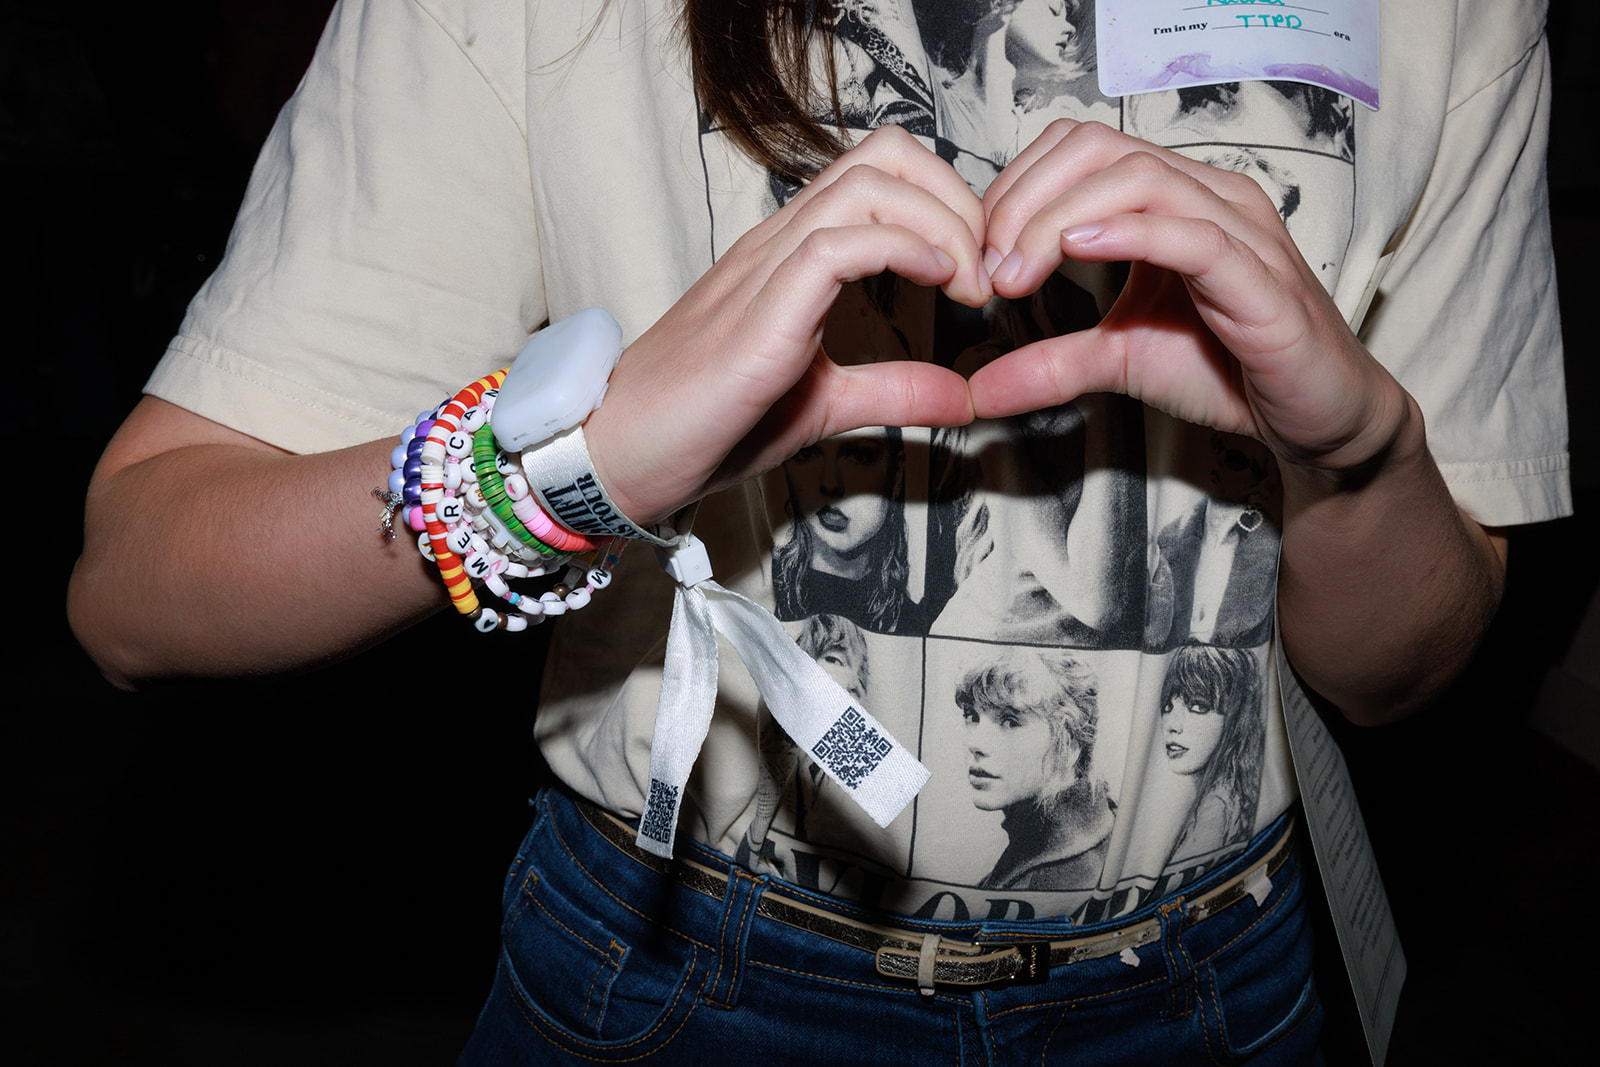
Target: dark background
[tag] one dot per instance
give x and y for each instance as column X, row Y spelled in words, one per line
column 308, row 870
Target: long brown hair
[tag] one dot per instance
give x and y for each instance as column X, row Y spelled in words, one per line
column 753, row 72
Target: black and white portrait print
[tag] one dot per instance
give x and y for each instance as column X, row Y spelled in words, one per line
column 1029, row 719
column 1048, row 542
column 980, row 78
column 848, row 551
column 840, row 647
column 1212, row 739
column 1214, row 570
column 1288, row 136
column 1065, row 614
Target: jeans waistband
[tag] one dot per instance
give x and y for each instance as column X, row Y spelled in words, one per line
column 933, row 960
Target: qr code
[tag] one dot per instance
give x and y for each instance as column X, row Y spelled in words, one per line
column 657, row 821
column 851, row 749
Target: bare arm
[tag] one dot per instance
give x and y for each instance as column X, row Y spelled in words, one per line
column 208, row 552
column 1385, row 588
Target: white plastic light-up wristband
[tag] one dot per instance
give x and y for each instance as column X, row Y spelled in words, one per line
column 557, row 380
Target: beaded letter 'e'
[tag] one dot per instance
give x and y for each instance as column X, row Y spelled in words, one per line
column 431, row 469
column 481, row 526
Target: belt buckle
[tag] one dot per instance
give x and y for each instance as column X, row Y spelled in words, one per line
column 964, row 967
column 1035, row 956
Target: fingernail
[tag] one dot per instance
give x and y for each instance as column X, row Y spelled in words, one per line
column 944, row 259
column 1079, row 234
column 1009, row 268
column 991, row 260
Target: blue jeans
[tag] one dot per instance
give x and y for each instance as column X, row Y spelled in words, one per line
column 604, row 960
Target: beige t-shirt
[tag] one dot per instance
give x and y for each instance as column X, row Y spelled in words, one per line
column 1067, row 615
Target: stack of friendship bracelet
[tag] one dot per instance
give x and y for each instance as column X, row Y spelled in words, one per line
column 476, row 517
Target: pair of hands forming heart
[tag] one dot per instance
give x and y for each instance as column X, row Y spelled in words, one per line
column 1221, row 322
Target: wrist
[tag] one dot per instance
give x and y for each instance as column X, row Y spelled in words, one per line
column 1391, row 437
column 600, row 438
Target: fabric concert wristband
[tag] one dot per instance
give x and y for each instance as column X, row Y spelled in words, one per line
column 562, row 476
column 851, row 746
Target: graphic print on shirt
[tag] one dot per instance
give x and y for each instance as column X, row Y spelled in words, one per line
column 1065, row 614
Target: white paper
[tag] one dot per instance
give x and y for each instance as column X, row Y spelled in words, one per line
column 1361, row 916
column 1146, row 45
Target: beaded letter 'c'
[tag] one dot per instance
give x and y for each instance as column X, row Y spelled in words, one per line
column 448, row 422
column 475, row 524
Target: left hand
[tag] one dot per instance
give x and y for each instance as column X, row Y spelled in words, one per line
column 1221, row 323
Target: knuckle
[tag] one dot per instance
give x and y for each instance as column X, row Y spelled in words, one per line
column 860, row 178
column 1059, row 128
column 861, row 185
column 1145, row 166
column 1090, row 133
column 889, row 138
column 1240, row 185
column 816, row 250
column 1215, row 240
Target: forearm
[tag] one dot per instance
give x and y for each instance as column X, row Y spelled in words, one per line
column 1385, row 587
column 216, row 559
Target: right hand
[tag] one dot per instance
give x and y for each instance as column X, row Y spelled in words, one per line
column 733, row 380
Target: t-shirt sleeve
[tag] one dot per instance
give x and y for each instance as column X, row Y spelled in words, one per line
column 385, row 253
column 1466, row 315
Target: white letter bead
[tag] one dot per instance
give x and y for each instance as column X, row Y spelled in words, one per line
column 553, row 605
column 425, row 547
column 474, row 418
column 459, row 444
column 578, row 598
column 599, row 578
column 516, row 487
column 486, row 621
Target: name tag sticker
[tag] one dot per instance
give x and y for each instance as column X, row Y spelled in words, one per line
column 1148, row 45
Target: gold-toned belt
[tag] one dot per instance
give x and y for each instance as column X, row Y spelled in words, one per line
column 931, row 960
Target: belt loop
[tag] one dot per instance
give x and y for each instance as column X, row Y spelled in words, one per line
column 925, row 959
column 1180, row 968
column 739, row 901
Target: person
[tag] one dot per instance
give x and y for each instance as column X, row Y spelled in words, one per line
column 1030, row 727
column 1226, row 537
column 1002, row 69
column 1058, row 569
column 1213, row 735
column 406, row 234
column 847, row 549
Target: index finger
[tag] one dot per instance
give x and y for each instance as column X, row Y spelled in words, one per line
column 1023, row 162
column 1063, row 155
column 899, row 154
